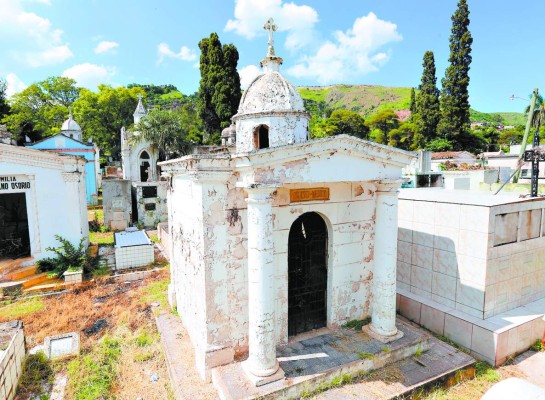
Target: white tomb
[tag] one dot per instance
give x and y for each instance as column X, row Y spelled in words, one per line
column 283, row 235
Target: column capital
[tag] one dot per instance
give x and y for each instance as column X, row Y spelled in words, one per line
column 260, row 193
column 389, row 186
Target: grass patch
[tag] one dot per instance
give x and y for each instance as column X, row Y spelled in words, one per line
column 144, row 339
column 365, row 356
column 37, row 377
column 21, row 308
column 357, row 324
column 385, row 349
column 154, row 238
column 102, row 238
column 487, row 372
column 338, row 381
column 156, row 292
column 418, row 351
column 92, row 375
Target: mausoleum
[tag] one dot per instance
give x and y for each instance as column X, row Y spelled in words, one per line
column 281, row 235
column 70, row 141
column 42, row 194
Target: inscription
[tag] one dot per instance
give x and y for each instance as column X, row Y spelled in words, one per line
column 299, row 195
column 10, row 182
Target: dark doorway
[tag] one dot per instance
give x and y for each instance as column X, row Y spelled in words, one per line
column 14, row 236
column 307, row 274
column 144, row 166
column 261, row 137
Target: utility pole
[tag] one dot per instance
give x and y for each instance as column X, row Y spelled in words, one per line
column 526, row 133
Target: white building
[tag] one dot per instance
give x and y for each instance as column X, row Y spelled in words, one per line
column 42, row 194
column 138, row 159
column 283, row 235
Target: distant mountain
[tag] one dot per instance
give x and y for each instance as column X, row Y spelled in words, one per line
column 368, row 100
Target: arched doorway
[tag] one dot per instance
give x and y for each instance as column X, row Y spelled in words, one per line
column 307, row 274
column 144, row 166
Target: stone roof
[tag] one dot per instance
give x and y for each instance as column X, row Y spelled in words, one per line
column 270, row 92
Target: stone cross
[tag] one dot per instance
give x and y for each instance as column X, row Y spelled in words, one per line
column 270, row 27
column 139, row 95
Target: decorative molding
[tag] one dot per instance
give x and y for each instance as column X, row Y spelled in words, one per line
column 71, row 176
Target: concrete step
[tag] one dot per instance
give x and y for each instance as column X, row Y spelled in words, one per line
column 36, row 280
column 21, row 273
column 52, row 285
column 8, row 264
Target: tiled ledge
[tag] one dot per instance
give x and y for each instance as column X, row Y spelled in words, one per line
column 494, row 339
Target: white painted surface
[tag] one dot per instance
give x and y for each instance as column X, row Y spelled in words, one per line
column 56, row 199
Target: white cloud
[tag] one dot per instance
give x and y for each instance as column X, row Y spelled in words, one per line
column 185, row 53
column 32, row 38
column 90, row 75
column 14, row 84
column 247, row 75
column 106, row 47
column 297, row 20
column 352, row 53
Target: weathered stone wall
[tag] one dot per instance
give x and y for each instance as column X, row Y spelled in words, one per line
column 284, row 129
column 151, row 217
column 116, row 203
column 349, row 215
column 12, row 354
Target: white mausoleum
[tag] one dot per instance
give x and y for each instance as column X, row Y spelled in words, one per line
column 42, row 194
column 139, row 160
column 282, row 235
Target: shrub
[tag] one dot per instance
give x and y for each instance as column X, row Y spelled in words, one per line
column 67, row 256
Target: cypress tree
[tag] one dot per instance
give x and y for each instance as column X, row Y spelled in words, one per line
column 412, row 104
column 454, row 95
column 427, row 100
column 219, row 90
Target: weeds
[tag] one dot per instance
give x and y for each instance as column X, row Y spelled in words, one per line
column 339, row 380
column 37, row 376
column 538, row 345
column 155, row 292
column 418, row 352
column 365, row 356
column 357, row 324
column 487, row 372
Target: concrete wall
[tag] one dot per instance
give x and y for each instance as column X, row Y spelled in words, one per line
column 481, row 260
column 12, row 354
column 469, row 180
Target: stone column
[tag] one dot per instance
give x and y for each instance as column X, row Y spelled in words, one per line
column 262, row 366
column 383, row 287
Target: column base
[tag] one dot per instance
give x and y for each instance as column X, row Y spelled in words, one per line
column 276, row 374
column 381, row 338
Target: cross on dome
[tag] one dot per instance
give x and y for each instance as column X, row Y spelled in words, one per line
column 270, row 27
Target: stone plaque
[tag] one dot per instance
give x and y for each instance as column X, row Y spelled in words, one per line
column 118, row 204
column 298, row 195
column 62, row 345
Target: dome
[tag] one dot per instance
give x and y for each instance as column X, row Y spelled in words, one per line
column 270, row 91
column 70, row 125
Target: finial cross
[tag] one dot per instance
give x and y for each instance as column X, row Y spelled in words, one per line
column 139, row 95
column 270, row 27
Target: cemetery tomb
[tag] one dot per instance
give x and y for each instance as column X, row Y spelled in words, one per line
column 133, row 248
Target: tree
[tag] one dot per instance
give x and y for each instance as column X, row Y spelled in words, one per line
column 40, row 109
column 219, row 90
column 412, row 104
column 102, row 114
column 402, row 137
column 169, row 130
column 454, row 95
column 4, row 105
column 385, row 120
column 342, row 122
column 427, row 100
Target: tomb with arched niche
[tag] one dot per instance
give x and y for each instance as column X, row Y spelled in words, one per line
column 283, row 235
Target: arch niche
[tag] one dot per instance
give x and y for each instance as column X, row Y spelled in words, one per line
column 144, row 163
column 307, row 274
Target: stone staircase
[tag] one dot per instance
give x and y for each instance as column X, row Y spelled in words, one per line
column 20, row 275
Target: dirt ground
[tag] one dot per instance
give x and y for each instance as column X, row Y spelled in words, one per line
column 123, row 309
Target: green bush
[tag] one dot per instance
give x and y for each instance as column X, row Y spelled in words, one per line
column 67, row 256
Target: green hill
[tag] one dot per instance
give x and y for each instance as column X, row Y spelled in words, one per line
column 368, row 100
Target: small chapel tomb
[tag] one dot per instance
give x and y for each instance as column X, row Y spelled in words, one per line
column 282, row 235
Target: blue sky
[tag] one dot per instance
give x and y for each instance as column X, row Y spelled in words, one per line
column 375, row 42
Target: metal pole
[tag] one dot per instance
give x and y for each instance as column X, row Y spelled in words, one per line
column 526, row 131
